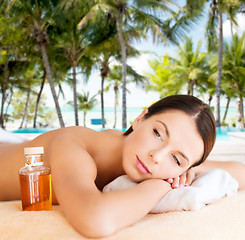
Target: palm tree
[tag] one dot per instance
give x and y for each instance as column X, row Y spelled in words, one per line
column 39, row 98
column 162, row 80
column 234, row 71
column 189, row 65
column 36, row 15
column 115, row 81
column 217, row 9
column 104, row 46
column 143, row 16
column 12, row 40
column 85, row 103
column 27, row 80
column 73, row 42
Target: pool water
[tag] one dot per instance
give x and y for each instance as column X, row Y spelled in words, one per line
column 222, row 132
column 32, row 130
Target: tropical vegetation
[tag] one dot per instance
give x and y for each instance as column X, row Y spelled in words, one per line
column 58, row 42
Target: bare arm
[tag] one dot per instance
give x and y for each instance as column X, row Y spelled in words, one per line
column 91, row 212
column 236, row 169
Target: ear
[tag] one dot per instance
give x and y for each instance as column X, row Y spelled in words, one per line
column 139, row 118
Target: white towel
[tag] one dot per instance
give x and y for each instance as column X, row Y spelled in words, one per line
column 206, row 188
column 9, row 137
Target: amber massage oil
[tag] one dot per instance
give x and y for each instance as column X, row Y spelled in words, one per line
column 35, row 181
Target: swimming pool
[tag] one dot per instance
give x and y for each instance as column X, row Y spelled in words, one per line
column 222, row 132
column 32, row 130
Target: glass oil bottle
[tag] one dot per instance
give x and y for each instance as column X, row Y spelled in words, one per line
column 35, row 181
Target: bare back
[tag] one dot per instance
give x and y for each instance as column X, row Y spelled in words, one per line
column 101, row 148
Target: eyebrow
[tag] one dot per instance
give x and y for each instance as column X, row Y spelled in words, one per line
column 167, row 132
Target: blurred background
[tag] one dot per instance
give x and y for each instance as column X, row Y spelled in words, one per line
column 100, row 63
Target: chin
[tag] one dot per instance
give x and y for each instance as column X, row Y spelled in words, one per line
column 132, row 173
column 134, row 177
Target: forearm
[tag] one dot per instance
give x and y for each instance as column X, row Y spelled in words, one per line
column 112, row 211
column 128, row 206
column 236, row 169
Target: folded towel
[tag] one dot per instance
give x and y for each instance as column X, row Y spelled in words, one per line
column 205, row 189
column 9, row 137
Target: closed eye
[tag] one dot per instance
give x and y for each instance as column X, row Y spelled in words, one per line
column 176, row 160
column 156, row 133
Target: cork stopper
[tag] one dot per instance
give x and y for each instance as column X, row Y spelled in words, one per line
column 33, row 150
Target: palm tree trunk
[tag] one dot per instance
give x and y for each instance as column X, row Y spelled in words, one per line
column 219, row 75
column 190, row 87
column 210, row 99
column 25, row 109
column 75, row 93
column 84, row 117
column 226, row 109
column 115, row 108
column 38, row 99
column 9, row 102
column 102, row 101
column 51, row 83
column 4, row 86
column 124, row 71
column 240, row 117
column 104, row 70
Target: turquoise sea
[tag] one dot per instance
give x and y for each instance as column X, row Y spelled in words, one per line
column 132, row 113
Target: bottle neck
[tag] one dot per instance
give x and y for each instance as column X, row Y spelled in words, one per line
column 34, row 160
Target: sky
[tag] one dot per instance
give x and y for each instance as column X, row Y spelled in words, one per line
column 137, row 96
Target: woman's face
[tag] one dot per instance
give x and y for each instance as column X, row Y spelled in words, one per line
column 163, row 146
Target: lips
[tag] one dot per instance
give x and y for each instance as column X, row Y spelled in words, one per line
column 141, row 166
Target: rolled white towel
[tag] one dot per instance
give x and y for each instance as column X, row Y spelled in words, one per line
column 9, row 137
column 206, row 188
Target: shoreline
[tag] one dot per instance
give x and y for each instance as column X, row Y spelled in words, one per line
column 132, row 113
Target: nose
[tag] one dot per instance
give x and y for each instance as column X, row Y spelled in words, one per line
column 157, row 155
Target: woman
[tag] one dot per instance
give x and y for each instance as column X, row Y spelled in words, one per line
column 167, row 141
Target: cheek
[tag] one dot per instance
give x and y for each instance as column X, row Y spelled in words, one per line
column 139, row 140
column 167, row 170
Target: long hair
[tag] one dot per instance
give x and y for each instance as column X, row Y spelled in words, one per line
column 195, row 108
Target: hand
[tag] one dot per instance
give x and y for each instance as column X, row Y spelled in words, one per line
column 184, row 180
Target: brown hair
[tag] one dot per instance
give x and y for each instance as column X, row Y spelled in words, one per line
column 195, row 108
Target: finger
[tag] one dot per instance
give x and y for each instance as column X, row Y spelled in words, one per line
column 170, row 180
column 182, row 180
column 190, row 176
column 175, row 183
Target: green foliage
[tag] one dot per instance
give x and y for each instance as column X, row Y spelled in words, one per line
column 27, row 24
column 163, row 80
column 85, row 102
column 171, row 75
column 226, row 7
column 234, row 66
column 18, row 104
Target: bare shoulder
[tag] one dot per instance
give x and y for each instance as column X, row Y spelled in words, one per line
column 75, row 133
column 66, row 153
column 113, row 132
column 71, row 139
column 72, row 166
column 81, row 135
